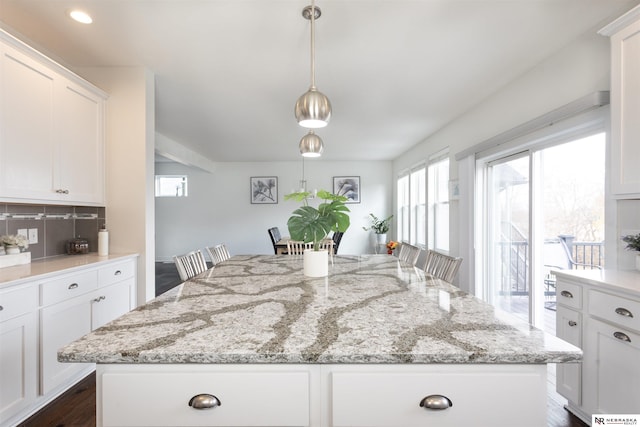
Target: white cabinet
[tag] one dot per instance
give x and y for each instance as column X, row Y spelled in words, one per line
column 74, row 305
column 605, row 323
column 51, row 131
column 625, row 104
column 18, row 349
column 321, row 395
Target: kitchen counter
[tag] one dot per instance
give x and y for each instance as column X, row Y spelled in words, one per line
column 371, row 309
column 47, row 267
column 617, row 280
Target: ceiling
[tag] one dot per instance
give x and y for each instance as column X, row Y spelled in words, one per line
column 228, row 72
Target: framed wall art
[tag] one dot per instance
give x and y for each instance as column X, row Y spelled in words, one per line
column 348, row 186
column 264, row 189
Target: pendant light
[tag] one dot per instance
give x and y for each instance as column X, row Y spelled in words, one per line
column 311, row 145
column 313, row 109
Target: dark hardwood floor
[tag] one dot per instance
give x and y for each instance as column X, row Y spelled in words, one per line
column 77, row 407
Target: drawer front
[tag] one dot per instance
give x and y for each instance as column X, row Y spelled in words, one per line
column 16, row 302
column 391, row 400
column 569, row 294
column 114, row 273
column 247, row 399
column 620, row 311
column 66, row 287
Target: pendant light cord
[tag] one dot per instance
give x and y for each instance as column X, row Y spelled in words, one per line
column 313, row 44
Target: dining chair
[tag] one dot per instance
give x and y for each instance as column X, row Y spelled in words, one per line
column 409, row 253
column 442, row 266
column 295, row 247
column 190, row 264
column 274, row 235
column 337, row 238
column 329, row 245
column 218, row 253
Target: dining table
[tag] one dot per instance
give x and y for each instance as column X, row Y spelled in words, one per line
column 377, row 342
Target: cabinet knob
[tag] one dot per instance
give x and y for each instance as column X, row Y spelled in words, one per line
column 204, row 401
column 622, row 336
column 436, row 401
column 572, row 323
column 566, row 294
column 624, row 312
column 73, row 286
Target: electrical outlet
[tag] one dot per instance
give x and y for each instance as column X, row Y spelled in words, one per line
column 33, row 236
column 23, row 232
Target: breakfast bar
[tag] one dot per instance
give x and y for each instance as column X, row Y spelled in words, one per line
column 376, row 343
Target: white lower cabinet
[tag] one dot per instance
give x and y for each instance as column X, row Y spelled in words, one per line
column 322, row 395
column 605, row 323
column 18, row 350
column 38, row 318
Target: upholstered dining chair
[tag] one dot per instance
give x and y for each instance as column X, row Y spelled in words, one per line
column 409, row 253
column 295, row 247
column 190, row 264
column 218, row 253
column 442, row 266
column 274, row 235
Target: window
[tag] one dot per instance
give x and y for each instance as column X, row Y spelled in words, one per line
column 411, row 206
column 171, row 186
column 438, row 195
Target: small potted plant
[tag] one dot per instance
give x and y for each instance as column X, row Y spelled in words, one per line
column 312, row 225
column 14, row 243
column 633, row 244
column 380, row 227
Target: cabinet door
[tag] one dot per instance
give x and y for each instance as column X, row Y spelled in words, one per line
column 26, row 127
column 80, row 171
column 61, row 324
column 111, row 302
column 625, row 108
column 568, row 375
column 612, row 371
column 18, row 364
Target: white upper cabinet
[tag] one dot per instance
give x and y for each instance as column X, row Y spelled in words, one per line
column 51, row 131
column 625, row 104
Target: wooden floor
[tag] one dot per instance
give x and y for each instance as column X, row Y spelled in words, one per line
column 77, row 408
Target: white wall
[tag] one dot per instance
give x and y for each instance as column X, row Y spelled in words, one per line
column 218, row 208
column 129, row 154
column 578, row 69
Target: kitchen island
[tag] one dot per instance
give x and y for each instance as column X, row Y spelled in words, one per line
column 377, row 343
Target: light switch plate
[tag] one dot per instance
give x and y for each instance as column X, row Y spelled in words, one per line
column 33, row 236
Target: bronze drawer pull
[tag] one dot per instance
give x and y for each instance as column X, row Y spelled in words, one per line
column 436, row 402
column 204, row 401
column 624, row 312
column 566, row 294
column 117, row 273
column 1, row 308
column 73, row 286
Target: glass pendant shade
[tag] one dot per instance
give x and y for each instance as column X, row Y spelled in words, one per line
column 313, row 109
column 311, row 145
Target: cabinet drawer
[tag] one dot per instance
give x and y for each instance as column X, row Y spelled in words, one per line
column 66, row 287
column 615, row 309
column 18, row 301
column 115, row 273
column 569, row 294
column 393, row 399
column 247, row 399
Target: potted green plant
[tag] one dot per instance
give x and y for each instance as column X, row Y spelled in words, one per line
column 380, row 227
column 311, row 225
column 633, row 244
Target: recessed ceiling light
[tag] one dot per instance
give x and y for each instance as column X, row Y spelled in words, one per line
column 80, row 16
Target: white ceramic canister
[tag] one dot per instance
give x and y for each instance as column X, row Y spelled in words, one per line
column 103, row 241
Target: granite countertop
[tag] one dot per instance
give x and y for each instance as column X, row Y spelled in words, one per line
column 616, row 280
column 46, row 267
column 371, row 309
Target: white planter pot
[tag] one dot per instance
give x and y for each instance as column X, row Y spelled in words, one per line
column 316, row 263
column 12, row 250
column 381, row 238
column 638, row 261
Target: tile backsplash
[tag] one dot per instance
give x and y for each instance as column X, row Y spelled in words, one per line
column 55, row 224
